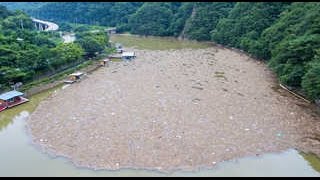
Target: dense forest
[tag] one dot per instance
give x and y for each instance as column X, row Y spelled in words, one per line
column 284, row 34
column 22, row 5
column 26, row 53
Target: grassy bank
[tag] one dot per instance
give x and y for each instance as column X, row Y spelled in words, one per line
column 55, row 79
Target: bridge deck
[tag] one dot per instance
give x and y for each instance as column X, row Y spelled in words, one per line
column 51, row 26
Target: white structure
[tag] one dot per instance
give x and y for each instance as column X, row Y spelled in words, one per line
column 128, row 55
column 74, row 77
column 45, row 25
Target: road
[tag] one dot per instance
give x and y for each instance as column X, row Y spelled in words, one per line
column 51, row 26
column 69, row 37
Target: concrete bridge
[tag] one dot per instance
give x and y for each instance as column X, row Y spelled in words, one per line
column 44, row 25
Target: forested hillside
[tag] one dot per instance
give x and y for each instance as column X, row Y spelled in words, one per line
column 22, row 5
column 284, row 34
column 294, row 44
column 245, row 23
column 205, row 18
column 94, row 13
column 26, row 53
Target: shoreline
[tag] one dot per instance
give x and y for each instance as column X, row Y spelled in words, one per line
column 54, row 154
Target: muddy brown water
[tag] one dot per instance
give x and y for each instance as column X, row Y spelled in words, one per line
column 18, row 152
column 20, row 158
column 168, row 110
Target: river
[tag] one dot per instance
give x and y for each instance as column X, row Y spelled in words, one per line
column 20, row 158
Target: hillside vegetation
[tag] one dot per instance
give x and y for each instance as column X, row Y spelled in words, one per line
column 27, row 54
column 284, row 34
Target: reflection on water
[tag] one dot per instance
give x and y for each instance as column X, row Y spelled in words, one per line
column 20, row 158
column 7, row 115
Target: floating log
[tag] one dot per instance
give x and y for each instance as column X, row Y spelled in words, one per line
column 295, row 94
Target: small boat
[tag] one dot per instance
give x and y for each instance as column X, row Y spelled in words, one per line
column 119, row 50
column 105, row 62
column 11, row 99
column 128, row 55
column 74, row 77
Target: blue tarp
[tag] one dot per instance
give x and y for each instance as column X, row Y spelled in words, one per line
column 10, row 94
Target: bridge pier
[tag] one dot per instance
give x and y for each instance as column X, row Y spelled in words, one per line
column 40, row 27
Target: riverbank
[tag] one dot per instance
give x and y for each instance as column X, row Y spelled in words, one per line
column 173, row 109
column 58, row 79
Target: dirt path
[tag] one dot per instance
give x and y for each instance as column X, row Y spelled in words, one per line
column 173, row 109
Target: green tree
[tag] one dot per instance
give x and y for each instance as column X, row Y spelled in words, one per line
column 4, row 12
column 93, row 42
column 290, row 57
column 245, row 23
column 311, row 80
column 298, row 19
column 205, row 18
column 65, row 54
column 180, row 17
column 151, row 19
column 11, row 75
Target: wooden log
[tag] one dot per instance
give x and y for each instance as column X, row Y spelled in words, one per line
column 295, row 94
